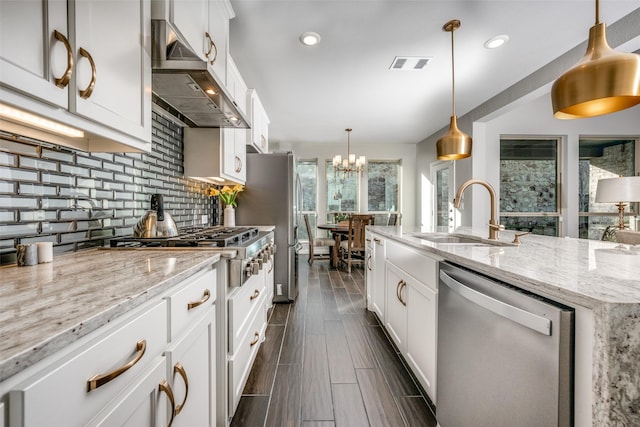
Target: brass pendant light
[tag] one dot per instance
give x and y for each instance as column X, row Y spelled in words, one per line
column 603, row 81
column 454, row 144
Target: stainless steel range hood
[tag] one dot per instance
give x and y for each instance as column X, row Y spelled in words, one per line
column 184, row 87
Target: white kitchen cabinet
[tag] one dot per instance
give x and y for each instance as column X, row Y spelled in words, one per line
column 191, row 363
column 376, row 294
column 244, row 302
column 236, row 86
column 204, row 25
column 35, row 49
column 60, row 394
column 188, row 303
column 145, row 403
column 214, row 155
column 67, row 55
column 411, row 283
column 112, row 83
column 258, row 136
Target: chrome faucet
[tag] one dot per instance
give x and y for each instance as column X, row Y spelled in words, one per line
column 494, row 227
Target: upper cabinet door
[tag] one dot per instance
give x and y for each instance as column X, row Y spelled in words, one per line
column 36, row 57
column 191, row 18
column 219, row 15
column 113, row 71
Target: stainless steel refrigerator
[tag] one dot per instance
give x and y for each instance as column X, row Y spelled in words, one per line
column 270, row 198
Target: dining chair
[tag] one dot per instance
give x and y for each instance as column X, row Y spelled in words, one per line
column 317, row 242
column 393, row 219
column 352, row 249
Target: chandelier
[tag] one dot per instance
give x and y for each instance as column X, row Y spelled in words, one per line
column 349, row 164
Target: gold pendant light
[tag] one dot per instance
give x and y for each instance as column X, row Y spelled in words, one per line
column 603, row 81
column 454, row 144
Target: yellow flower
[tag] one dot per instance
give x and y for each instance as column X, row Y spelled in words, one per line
column 228, row 194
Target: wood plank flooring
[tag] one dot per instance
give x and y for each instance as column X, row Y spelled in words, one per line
column 327, row 362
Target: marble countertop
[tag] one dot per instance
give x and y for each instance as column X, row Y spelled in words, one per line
column 585, row 272
column 46, row 306
column 598, row 275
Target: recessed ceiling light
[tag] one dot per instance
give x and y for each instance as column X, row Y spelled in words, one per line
column 496, row 41
column 310, row 38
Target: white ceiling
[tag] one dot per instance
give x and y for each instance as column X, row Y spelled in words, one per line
column 311, row 94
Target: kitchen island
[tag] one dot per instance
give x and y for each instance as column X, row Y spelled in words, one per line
column 595, row 277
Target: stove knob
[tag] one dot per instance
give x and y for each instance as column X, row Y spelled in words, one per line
column 248, row 270
column 274, row 248
column 255, row 267
column 260, row 263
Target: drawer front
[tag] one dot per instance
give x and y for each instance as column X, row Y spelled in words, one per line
column 193, row 299
column 240, row 363
column 58, row 395
column 420, row 266
column 242, row 307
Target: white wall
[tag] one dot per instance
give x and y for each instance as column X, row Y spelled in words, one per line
column 406, row 153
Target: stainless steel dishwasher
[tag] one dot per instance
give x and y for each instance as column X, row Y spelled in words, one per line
column 505, row 356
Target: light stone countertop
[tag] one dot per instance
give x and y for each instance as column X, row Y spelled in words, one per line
column 45, row 307
column 593, row 274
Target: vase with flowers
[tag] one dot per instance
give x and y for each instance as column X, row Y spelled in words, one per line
column 228, row 196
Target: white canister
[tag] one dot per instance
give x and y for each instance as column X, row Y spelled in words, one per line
column 45, row 252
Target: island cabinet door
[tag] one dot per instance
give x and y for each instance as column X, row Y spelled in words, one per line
column 147, row 403
column 395, row 319
column 191, row 363
column 422, row 305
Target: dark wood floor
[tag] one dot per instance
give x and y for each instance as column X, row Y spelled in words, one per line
column 326, row 361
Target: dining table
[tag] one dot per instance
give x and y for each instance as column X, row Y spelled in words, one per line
column 337, row 230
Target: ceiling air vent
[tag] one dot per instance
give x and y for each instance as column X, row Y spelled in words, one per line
column 410, row 63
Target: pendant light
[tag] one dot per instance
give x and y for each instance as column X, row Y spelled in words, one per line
column 454, row 144
column 603, row 81
column 350, row 164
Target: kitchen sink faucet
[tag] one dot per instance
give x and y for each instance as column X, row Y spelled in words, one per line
column 494, row 227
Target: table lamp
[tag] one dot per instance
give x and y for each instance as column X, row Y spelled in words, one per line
column 618, row 191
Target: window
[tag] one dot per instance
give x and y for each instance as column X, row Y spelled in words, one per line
column 603, row 158
column 529, row 185
column 342, row 193
column 383, row 188
column 307, row 171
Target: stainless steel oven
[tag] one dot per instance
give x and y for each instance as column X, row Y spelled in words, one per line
column 247, row 248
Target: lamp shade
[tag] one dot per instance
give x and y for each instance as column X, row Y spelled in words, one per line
column 615, row 190
column 604, row 81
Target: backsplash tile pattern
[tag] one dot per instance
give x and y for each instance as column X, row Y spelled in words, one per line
column 79, row 200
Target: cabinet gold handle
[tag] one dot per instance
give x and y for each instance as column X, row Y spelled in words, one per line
column 99, row 380
column 255, row 339
column 270, row 267
column 255, row 295
column 238, row 164
column 369, row 263
column 86, row 93
column 212, row 46
column 179, row 369
column 205, row 298
column 63, row 80
column 404, row 285
column 399, row 287
column 166, row 388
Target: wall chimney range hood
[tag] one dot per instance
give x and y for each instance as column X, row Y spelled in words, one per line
column 184, row 87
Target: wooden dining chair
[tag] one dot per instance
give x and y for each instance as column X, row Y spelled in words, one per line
column 317, row 242
column 393, row 219
column 352, row 249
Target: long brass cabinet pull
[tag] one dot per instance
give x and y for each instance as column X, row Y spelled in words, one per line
column 205, row 298
column 101, row 379
column 63, row 80
column 255, row 339
column 86, row 93
column 270, row 267
column 238, row 164
column 402, row 288
column 212, row 46
column 255, row 295
column 179, row 369
column 166, row 388
column 399, row 288
column 369, row 263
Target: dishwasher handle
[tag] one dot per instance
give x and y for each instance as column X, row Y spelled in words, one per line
column 532, row 321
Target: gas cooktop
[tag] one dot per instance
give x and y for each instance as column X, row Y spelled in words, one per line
column 227, row 237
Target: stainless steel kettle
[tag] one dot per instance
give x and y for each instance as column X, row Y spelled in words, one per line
column 155, row 222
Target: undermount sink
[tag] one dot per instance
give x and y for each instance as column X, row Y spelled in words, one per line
column 458, row 239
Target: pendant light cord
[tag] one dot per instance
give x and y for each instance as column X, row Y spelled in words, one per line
column 453, row 78
column 597, row 12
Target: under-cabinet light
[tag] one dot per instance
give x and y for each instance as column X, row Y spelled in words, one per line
column 38, row 121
